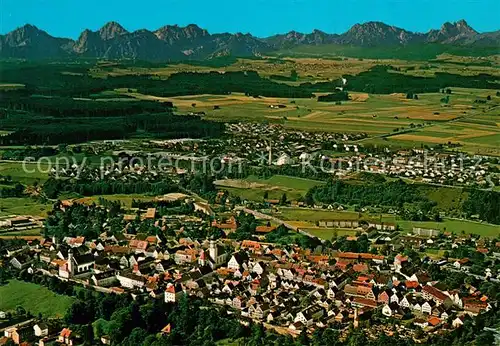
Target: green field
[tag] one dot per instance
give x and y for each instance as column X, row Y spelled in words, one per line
column 23, row 206
column 125, row 200
column 313, row 215
column 288, row 181
column 307, row 218
column 26, row 173
column 328, row 233
column 22, row 233
column 254, row 188
column 455, row 226
column 33, row 298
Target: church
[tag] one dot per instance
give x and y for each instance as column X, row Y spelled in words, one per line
column 76, row 265
column 215, row 258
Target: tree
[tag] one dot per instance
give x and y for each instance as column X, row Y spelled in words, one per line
column 294, row 75
column 100, row 327
column 485, row 339
column 283, row 199
column 135, row 338
column 488, row 97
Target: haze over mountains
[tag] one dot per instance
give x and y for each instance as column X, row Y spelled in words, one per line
column 173, row 42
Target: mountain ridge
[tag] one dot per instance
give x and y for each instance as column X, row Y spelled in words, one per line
column 173, row 42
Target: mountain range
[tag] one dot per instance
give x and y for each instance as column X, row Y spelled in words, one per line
column 172, row 42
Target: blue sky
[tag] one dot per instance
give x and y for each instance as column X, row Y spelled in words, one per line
column 67, row 18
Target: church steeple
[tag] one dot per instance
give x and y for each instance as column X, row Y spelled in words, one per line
column 70, row 262
column 213, row 250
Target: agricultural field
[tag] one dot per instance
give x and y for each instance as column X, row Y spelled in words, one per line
column 33, row 298
column 391, row 120
column 426, row 121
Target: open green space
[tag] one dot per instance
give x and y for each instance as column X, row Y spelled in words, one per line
column 287, row 181
column 23, row 206
column 254, row 188
column 329, row 233
column 26, row 173
column 454, row 226
column 307, row 218
column 125, row 200
column 33, row 298
column 313, row 215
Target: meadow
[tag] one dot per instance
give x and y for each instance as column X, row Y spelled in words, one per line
column 33, row 298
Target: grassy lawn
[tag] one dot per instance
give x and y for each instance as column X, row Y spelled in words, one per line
column 33, row 298
column 23, row 206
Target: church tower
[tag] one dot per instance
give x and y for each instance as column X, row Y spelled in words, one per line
column 213, row 251
column 202, row 258
column 356, row 318
column 70, row 262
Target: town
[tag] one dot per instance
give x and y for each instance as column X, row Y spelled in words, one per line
column 425, row 283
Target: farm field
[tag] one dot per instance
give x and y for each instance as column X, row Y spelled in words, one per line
column 33, row 298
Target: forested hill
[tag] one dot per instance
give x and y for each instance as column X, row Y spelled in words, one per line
column 410, row 199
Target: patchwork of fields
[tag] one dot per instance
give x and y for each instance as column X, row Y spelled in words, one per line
column 404, row 122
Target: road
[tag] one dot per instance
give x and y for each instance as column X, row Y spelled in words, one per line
column 18, row 325
column 260, row 215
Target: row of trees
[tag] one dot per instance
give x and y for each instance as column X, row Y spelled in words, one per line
column 29, row 128
column 53, row 187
